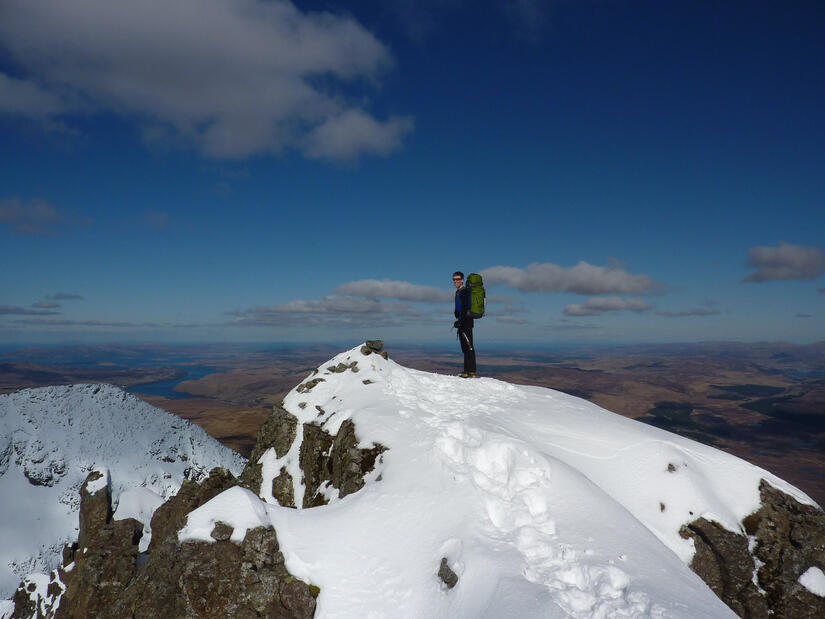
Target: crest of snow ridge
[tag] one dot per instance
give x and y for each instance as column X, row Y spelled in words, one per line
column 515, row 449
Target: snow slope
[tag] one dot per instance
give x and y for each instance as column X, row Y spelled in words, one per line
column 52, row 437
column 544, row 505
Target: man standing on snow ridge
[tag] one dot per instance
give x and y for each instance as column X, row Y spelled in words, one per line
column 464, row 324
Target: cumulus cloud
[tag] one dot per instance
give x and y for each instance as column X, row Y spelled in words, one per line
column 689, row 312
column 354, row 132
column 601, row 305
column 785, row 262
column 582, row 278
column 34, row 217
column 11, row 310
column 232, row 77
column 394, row 289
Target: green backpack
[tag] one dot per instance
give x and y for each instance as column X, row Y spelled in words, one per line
column 477, row 295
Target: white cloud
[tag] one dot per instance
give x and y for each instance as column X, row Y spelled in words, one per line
column 582, row 278
column 232, row 77
column 601, row 305
column 785, row 262
column 354, row 132
column 395, row 289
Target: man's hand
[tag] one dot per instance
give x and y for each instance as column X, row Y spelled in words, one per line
column 457, row 324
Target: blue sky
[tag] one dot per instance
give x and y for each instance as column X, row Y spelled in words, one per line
column 240, row 170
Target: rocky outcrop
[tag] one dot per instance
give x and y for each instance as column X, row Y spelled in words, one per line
column 171, row 516
column 277, row 432
column 374, row 346
column 326, row 461
column 106, row 576
column 334, row 461
column 758, row 575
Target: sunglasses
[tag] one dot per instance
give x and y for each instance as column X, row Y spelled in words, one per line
column 458, row 279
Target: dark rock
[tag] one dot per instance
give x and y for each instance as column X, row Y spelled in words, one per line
column 374, row 346
column 336, row 461
column 170, row 517
column 221, row 532
column 307, row 386
column 283, row 490
column 315, row 464
column 789, row 538
column 95, row 509
column 447, row 575
column 101, row 571
column 193, row 579
column 277, row 432
column 723, row 561
column 220, row 579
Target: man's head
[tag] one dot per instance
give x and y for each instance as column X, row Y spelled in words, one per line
column 458, row 279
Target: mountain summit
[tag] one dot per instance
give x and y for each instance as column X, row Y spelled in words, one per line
column 423, row 495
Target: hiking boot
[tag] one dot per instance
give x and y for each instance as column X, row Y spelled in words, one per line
column 465, row 375
column 472, row 374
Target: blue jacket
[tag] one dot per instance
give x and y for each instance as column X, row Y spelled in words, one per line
column 462, row 306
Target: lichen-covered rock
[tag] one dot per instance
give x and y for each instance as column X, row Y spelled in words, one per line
column 219, row 579
column 95, row 507
column 171, row 516
column 278, row 433
column 335, row 461
column 96, row 570
column 785, row 539
column 724, row 562
column 104, row 578
column 790, row 538
column 102, row 570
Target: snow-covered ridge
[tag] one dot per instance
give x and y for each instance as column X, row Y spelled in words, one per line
column 52, row 437
column 544, row 504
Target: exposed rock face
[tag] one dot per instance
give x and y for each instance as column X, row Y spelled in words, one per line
column 171, row 516
column 104, row 578
column 785, row 539
column 325, row 460
column 278, row 432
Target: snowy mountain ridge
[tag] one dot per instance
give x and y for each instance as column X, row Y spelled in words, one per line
column 52, row 437
column 543, row 504
column 436, row 496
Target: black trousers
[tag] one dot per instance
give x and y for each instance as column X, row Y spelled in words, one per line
column 465, row 336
